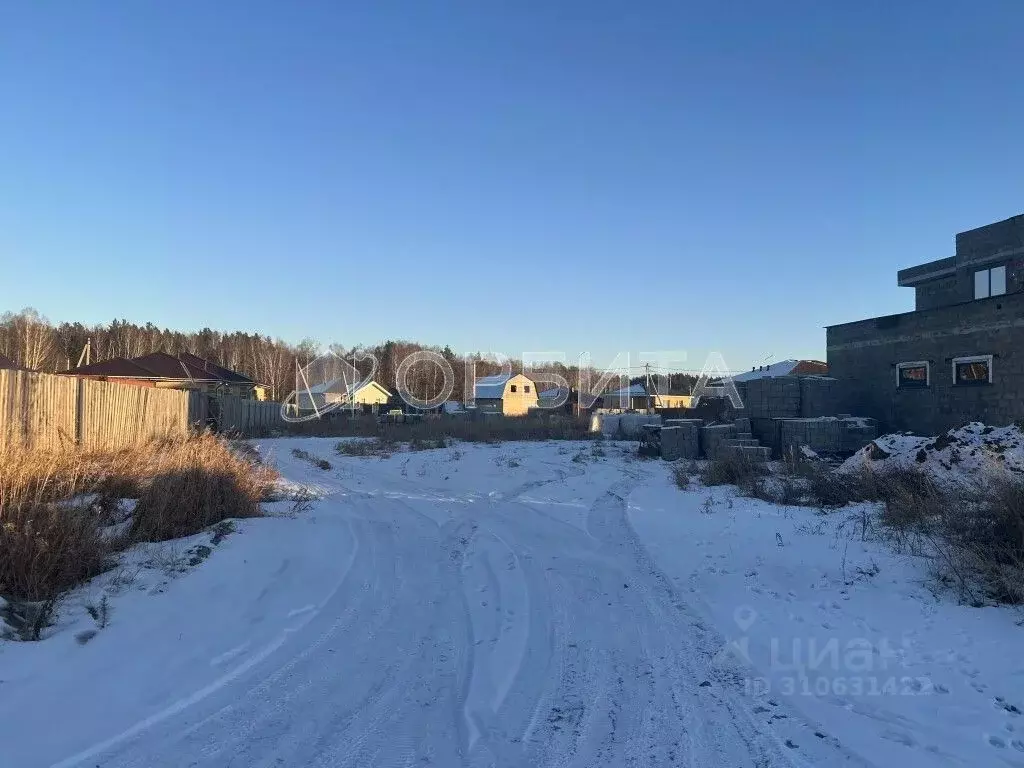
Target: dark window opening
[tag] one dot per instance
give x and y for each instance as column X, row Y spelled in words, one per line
column 912, row 376
column 526, row 388
column 513, row 388
column 972, row 372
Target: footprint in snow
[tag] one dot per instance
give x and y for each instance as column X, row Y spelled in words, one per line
column 900, row 737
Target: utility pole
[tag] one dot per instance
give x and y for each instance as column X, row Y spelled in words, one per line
column 647, row 387
column 86, row 353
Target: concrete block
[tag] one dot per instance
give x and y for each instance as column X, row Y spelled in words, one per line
column 755, row 453
column 680, row 441
column 712, row 437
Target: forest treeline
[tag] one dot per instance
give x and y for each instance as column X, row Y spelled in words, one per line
column 32, row 342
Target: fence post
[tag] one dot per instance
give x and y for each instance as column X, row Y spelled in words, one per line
column 79, row 410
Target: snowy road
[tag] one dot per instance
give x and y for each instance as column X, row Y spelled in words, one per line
column 484, row 609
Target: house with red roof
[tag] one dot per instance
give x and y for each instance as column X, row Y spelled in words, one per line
column 159, row 369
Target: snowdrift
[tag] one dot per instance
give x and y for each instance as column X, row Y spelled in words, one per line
column 966, row 454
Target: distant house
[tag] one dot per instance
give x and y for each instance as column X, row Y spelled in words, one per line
column 339, row 392
column 784, row 368
column 568, row 400
column 635, row 397
column 632, row 398
column 186, row 371
column 505, row 394
column 673, row 400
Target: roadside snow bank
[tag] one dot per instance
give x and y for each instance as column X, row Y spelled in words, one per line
column 843, row 629
column 960, row 455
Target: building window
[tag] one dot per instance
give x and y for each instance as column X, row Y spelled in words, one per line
column 513, row 388
column 526, row 388
column 990, row 282
column 970, row 371
column 915, row 375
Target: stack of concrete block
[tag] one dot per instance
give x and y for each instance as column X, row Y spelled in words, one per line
column 744, row 445
column 821, row 435
column 857, row 432
column 751, row 453
column 680, row 439
column 827, row 434
column 743, row 426
column 819, row 396
column 713, row 439
column 766, row 431
column 678, row 422
column 773, row 398
column 671, row 439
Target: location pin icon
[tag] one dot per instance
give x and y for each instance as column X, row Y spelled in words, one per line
column 744, row 617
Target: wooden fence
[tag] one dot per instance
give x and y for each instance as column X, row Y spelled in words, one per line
column 250, row 418
column 40, row 410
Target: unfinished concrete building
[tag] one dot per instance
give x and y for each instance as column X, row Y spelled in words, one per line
column 959, row 356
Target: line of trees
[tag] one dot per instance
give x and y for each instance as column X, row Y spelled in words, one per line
column 32, row 342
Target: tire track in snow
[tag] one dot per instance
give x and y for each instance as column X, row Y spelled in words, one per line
column 498, row 610
column 183, row 704
column 721, row 724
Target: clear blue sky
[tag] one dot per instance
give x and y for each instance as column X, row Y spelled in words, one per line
column 516, row 176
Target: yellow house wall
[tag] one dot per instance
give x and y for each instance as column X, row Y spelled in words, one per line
column 673, row 401
column 370, row 395
column 518, row 403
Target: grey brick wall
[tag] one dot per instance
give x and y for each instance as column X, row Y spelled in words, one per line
column 827, row 434
column 960, row 287
column 771, row 398
column 983, row 241
column 819, row 396
column 863, row 357
column 993, row 245
column 942, row 292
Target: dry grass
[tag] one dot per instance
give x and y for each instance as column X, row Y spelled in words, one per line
column 372, row 447
column 316, row 461
column 972, row 533
column 732, row 469
column 682, row 471
column 56, row 506
column 195, row 484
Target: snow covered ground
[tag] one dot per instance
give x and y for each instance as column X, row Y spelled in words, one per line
column 522, row 604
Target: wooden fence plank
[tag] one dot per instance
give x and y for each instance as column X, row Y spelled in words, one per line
column 39, row 410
